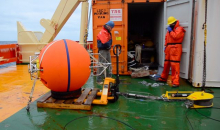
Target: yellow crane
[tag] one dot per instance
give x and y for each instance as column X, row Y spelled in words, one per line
column 33, row 41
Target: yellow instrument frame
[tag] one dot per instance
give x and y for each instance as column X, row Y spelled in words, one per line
column 199, row 96
column 197, row 106
column 167, row 95
column 194, row 96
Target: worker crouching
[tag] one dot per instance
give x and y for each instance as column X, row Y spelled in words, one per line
column 173, row 51
column 104, row 43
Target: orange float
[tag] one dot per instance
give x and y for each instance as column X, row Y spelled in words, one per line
column 65, row 66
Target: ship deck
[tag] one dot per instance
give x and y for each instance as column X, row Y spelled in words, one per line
column 140, row 114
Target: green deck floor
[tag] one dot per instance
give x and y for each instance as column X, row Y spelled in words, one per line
column 139, row 114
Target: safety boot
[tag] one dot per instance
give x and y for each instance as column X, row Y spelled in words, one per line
column 161, row 79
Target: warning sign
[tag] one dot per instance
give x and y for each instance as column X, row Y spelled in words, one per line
column 116, row 14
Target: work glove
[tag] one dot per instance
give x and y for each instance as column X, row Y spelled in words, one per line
column 169, row 29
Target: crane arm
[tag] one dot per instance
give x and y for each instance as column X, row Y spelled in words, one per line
column 60, row 17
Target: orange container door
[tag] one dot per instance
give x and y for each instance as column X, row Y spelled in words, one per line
column 117, row 12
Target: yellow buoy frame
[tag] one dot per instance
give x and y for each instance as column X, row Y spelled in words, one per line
column 168, row 95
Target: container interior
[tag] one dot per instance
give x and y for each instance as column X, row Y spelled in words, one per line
column 145, row 28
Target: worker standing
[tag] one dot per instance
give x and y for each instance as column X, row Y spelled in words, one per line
column 104, row 42
column 173, row 51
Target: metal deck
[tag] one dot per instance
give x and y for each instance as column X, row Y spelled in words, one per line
column 15, row 86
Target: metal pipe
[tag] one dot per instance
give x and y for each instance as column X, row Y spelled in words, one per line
column 139, row 96
column 84, row 22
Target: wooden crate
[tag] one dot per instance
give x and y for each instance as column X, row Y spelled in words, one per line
column 84, row 102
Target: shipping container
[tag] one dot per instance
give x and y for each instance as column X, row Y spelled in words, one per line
column 140, row 21
column 212, row 47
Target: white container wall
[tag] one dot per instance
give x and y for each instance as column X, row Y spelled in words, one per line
column 213, row 44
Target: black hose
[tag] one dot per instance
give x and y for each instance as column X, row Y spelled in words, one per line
column 98, row 116
column 216, row 107
column 207, row 116
column 188, row 119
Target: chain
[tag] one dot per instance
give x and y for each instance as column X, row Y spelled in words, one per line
column 205, row 40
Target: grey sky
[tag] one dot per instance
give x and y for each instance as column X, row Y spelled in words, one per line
column 30, row 12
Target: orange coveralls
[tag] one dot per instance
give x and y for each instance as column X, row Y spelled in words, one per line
column 173, row 52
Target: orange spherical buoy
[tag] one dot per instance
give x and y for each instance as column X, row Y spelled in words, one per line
column 65, row 66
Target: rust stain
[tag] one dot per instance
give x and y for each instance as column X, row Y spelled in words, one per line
column 89, row 113
column 57, row 124
column 137, row 117
column 125, row 115
column 138, row 123
column 120, row 125
column 57, row 113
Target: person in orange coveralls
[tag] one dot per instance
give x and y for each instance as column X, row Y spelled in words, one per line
column 173, row 51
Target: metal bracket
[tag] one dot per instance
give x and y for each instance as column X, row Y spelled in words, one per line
column 188, row 104
column 99, row 64
column 33, row 67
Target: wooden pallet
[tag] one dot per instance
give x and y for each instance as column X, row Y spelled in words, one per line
column 84, row 102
